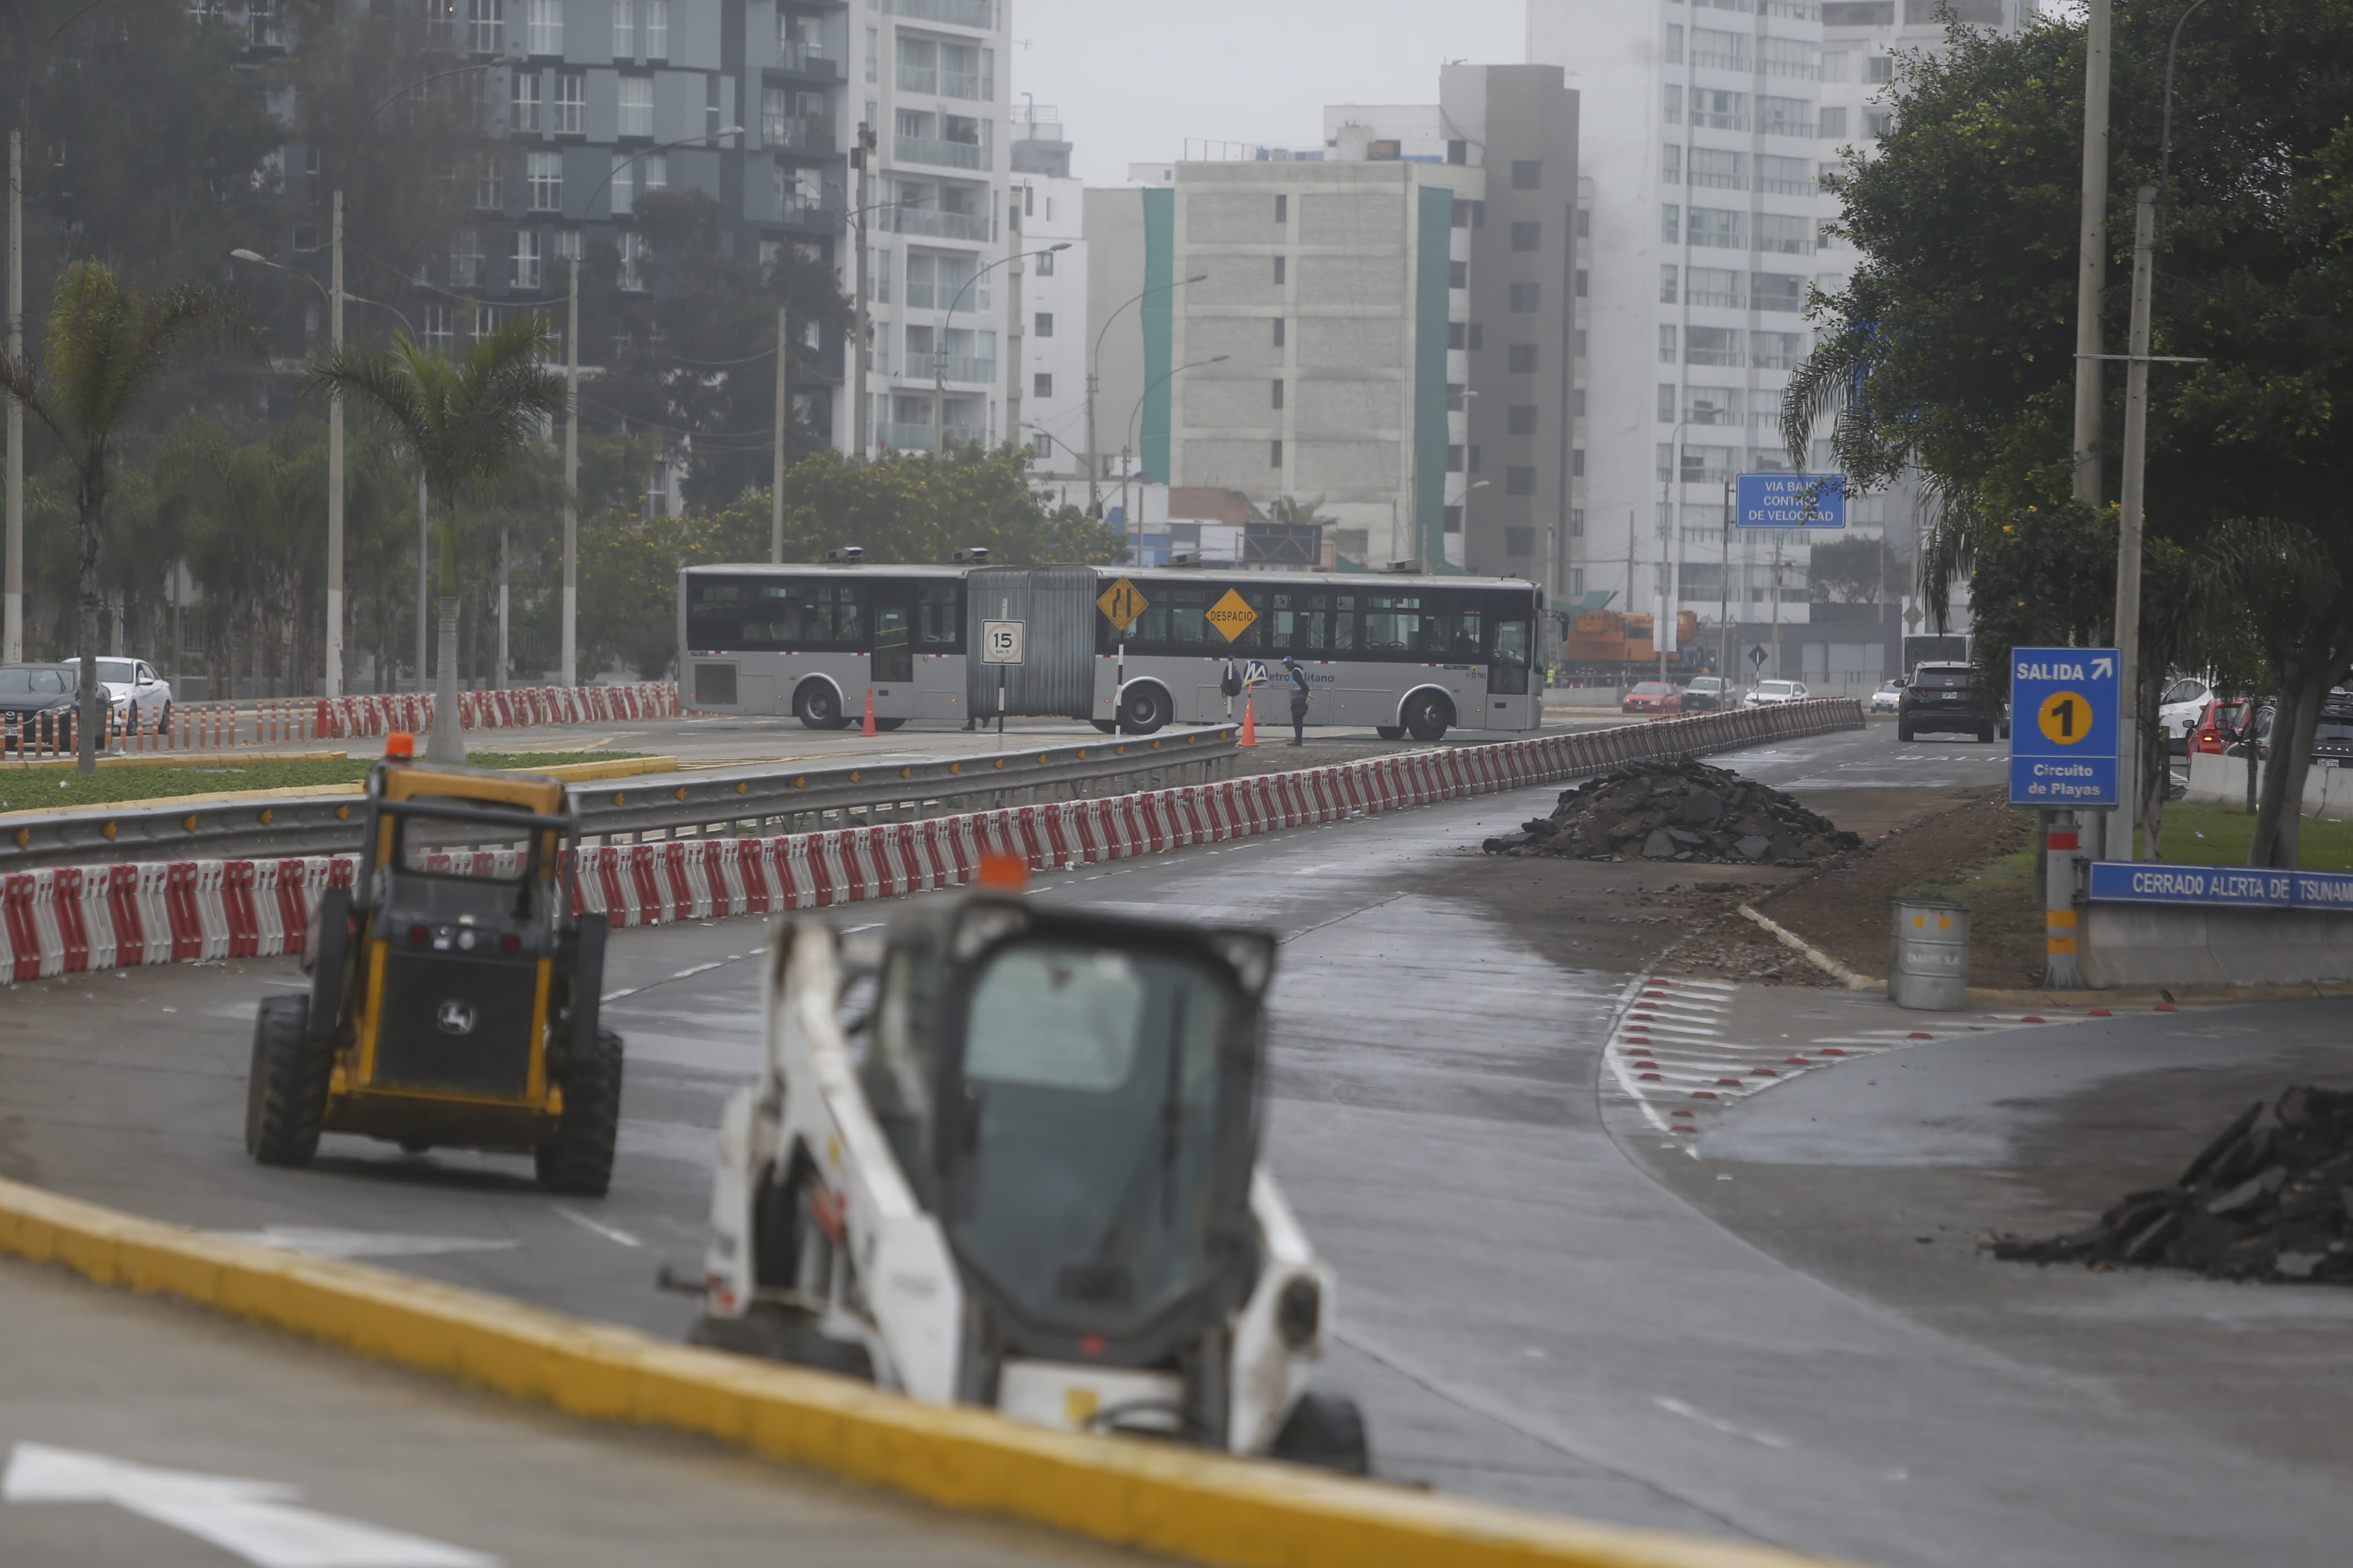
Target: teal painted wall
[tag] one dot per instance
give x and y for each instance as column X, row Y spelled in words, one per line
column 1433, row 251
column 1159, row 321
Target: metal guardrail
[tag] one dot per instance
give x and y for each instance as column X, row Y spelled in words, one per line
column 656, row 805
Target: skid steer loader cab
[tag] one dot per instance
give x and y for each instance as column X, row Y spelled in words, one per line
column 453, row 997
column 1013, row 1163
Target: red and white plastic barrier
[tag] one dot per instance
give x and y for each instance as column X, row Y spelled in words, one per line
column 73, row 918
column 517, row 708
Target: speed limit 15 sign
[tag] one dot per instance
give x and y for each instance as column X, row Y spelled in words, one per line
column 1002, row 642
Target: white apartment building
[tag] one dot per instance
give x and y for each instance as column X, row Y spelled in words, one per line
column 929, row 77
column 1049, row 379
column 1706, row 125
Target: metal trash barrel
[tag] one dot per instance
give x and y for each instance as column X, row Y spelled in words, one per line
column 1928, row 955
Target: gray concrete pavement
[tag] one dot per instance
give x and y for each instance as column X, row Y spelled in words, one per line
column 1530, row 1310
column 471, row 1481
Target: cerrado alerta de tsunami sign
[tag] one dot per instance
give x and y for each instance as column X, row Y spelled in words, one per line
column 2063, row 727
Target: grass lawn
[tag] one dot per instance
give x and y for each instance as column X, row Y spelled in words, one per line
column 35, row 789
column 2220, row 835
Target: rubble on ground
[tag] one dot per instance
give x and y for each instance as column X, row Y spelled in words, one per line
column 2271, row 1198
column 1679, row 811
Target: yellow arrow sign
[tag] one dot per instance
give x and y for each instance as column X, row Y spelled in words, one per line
column 1232, row 615
column 1121, row 603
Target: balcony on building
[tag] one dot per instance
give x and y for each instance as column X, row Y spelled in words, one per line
column 981, row 14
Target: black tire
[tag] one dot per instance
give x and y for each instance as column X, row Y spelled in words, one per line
column 1903, row 730
column 163, row 720
column 1985, row 736
column 776, row 1333
column 1326, row 1431
column 1426, row 717
column 819, row 707
column 887, row 724
column 286, row 1087
column 1390, row 732
column 577, row 1158
column 1108, row 726
column 1144, row 709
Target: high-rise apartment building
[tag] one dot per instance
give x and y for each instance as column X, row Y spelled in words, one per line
column 1051, row 376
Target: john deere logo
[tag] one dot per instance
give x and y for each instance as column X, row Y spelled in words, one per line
column 456, row 1018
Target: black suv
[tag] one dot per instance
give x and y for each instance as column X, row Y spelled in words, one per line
column 1944, row 697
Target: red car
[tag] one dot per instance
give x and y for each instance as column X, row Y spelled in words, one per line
column 1653, row 697
column 2211, row 733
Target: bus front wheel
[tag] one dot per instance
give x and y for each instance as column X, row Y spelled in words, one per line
column 1144, row 709
column 1426, row 717
column 820, row 706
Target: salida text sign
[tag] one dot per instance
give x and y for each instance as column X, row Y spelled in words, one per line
column 2219, row 886
column 2062, row 747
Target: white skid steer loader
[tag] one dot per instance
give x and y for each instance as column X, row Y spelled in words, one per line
column 1012, row 1163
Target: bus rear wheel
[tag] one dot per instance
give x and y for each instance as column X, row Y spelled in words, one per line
column 1426, row 717
column 819, row 706
column 1144, row 709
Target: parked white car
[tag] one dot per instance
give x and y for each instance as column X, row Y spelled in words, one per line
column 1888, row 698
column 131, row 686
column 1773, row 693
column 2183, row 705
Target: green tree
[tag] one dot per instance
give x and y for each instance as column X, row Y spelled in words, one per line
column 105, row 345
column 1951, row 349
column 1857, row 571
column 464, row 423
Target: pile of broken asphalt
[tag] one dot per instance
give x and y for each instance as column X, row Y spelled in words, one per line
column 1680, row 810
column 2271, row 1198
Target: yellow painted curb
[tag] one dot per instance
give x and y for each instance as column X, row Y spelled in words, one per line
column 1153, row 1496
column 612, row 768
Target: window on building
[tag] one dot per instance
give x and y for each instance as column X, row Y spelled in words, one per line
column 526, row 259
column 1878, row 124
column 1527, row 237
column 1790, row 57
column 1279, row 269
column 1458, row 275
column 1723, row 229
column 1582, row 281
column 437, row 327
column 486, row 26
column 1785, row 234
column 1042, row 385
column 1776, row 291
column 1785, row 116
column 1277, row 402
column 1716, row 286
column 1457, row 335
column 489, row 184
column 633, row 262
column 1577, row 343
column 1777, row 350
column 1715, row 110
column 1526, row 298
column 1671, row 224
column 1718, row 169
column 1672, row 46
column 1043, row 326
column 571, row 103
column 1576, row 403
column 1713, row 345
column 657, row 29
column 544, row 171
column 1522, row 419
column 622, row 187
column 1669, row 277
column 1528, row 174
column 1474, row 456
column 546, row 26
column 1787, row 177
column 1671, row 164
column 1878, row 67
column 1458, row 151
column 525, row 115
column 1274, row 454
column 1665, row 414
column 1521, row 359
column 1451, row 519
column 1453, row 459
column 1666, row 343
column 1576, row 462
column 1673, row 100
column 1478, row 336
column 637, row 108
column 1832, row 123
column 1283, row 209
column 466, row 259
column 1576, row 531
column 1584, row 223
column 1278, row 331
column 1045, row 260
column 566, row 246
column 624, row 29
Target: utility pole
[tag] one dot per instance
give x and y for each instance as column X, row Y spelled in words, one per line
column 860, row 158
column 2135, row 455
column 777, row 482
column 15, row 652
column 506, row 567
column 1778, row 536
column 335, row 469
column 2091, row 290
column 424, row 567
column 571, row 675
column 1724, row 602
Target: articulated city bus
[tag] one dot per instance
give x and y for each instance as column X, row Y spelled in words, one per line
column 1402, row 655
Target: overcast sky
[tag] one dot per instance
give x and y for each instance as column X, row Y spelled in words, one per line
column 1134, row 80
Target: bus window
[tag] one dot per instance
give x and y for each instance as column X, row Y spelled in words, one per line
column 1177, row 621
column 939, row 617
column 1392, row 623
column 1298, row 623
column 1344, row 639
column 836, row 617
column 894, row 655
column 1450, row 631
column 1507, row 660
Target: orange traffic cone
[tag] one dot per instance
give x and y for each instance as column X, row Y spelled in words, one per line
column 1249, row 725
column 868, row 728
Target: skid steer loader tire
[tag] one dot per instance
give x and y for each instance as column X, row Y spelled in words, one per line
column 577, row 1158
column 1326, row 1431
column 775, row 1332
column 286, row 1087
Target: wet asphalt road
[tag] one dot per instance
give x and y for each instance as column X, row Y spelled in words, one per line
column 1529, row 1311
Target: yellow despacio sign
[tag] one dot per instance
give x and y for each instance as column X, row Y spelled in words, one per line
column 1121, row 603
column 1232, row 615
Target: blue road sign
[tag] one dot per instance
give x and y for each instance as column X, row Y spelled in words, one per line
column 1790, row 500
column 2063, row 727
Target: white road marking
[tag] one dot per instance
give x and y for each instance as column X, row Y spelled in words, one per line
column 1717, row 1423
column 345, row 1243
column 257, row 1521
column 610, row 1233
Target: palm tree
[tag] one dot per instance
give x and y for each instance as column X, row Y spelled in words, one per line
column 107, row 343
column 463, row 422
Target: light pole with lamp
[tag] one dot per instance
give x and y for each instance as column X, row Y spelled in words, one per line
column 1094, row 383
column 1666, row 521
column 1127, row 469
column 862, row 345
column 336, row 296
column 940, row 349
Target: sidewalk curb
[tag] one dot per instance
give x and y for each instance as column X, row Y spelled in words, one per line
column 1153, row 1496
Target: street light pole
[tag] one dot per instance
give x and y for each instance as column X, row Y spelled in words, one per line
column 777, row 484
column 1133, row 414
column 860, row 158
column 940, row 348
column 14, row 613
column 335, row 470
column 571, row 676
column 1667, row 510
column 1094, row 383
